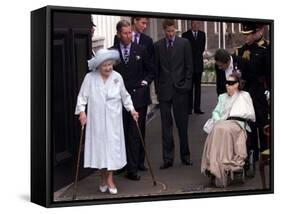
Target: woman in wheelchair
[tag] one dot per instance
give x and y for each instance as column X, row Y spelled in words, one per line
column 225, row 148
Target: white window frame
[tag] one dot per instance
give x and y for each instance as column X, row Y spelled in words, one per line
column 216, row 27
column 233, row 27
column 206, row 33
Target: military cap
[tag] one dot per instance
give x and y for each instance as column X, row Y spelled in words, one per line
column 250, row 27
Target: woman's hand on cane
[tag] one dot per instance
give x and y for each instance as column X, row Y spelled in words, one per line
column 82, row 118
column 135, row 115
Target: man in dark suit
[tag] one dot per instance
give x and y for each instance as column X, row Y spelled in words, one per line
column 197, row 40
column 139, row 24
column 138, row 72
column 173, row 81
column 224, row 67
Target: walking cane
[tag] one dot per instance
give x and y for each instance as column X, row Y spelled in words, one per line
column 164, row 186
column 78, row 163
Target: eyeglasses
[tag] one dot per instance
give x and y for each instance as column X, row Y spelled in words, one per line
column 231, row 82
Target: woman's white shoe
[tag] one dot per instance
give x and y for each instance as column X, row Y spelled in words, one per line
column 113, row 191
column 103, row 188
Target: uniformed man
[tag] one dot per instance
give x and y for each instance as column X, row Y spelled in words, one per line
column 253, row 60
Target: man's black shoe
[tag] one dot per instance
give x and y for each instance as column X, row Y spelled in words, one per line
column 133, row 176
column 199, row 112
column 187, row 162
column 142, row 168
column 119, row 171
column 166, row 165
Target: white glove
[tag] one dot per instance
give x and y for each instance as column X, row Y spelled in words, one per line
column 267, row 95
column 144, row 83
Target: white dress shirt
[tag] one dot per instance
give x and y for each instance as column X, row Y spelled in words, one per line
column 138, row 38
column 229, row 70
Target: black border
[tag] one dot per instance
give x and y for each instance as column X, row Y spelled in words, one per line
column 41, row 173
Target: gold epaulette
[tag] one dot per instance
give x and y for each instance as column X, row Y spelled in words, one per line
column 246, row 55
column 262, row 43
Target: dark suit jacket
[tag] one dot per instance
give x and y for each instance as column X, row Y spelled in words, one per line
column 138, row 68
column 145, row 41
column 198, row 47
column 220, row 80
column 220, row 75
column 173, row 74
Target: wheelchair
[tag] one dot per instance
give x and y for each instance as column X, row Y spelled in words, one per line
column 249, row 169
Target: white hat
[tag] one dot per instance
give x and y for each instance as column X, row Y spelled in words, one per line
column 101, row 56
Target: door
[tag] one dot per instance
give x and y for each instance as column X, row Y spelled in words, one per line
column 71, row 48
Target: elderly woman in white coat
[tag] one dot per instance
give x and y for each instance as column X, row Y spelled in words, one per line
column 225, row 148
column 104, row 93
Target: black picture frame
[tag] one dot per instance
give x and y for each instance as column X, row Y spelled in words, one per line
column 42, row 97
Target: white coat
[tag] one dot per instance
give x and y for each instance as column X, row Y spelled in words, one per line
column 104, row 139
column 238, row 105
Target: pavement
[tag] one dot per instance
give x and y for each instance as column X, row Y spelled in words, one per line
column 179, row 179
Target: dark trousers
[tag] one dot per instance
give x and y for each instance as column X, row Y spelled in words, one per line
column 142, row 122
column 261, row 111
column 132, row 139
column 196, row 90
column 179, row 104
column 257, row 136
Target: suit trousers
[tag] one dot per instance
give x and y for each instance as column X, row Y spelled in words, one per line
column 257, row 137
column 257, row 140
column 134, row 148
column 196, row 89
column 179, row 105
column 142, row 123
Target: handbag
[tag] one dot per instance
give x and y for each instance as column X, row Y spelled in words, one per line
column 208, row 126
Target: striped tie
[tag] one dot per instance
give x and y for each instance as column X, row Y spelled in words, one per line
column 195, row 35
column 136, row 38
column 171, row 45
column 126, row 55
